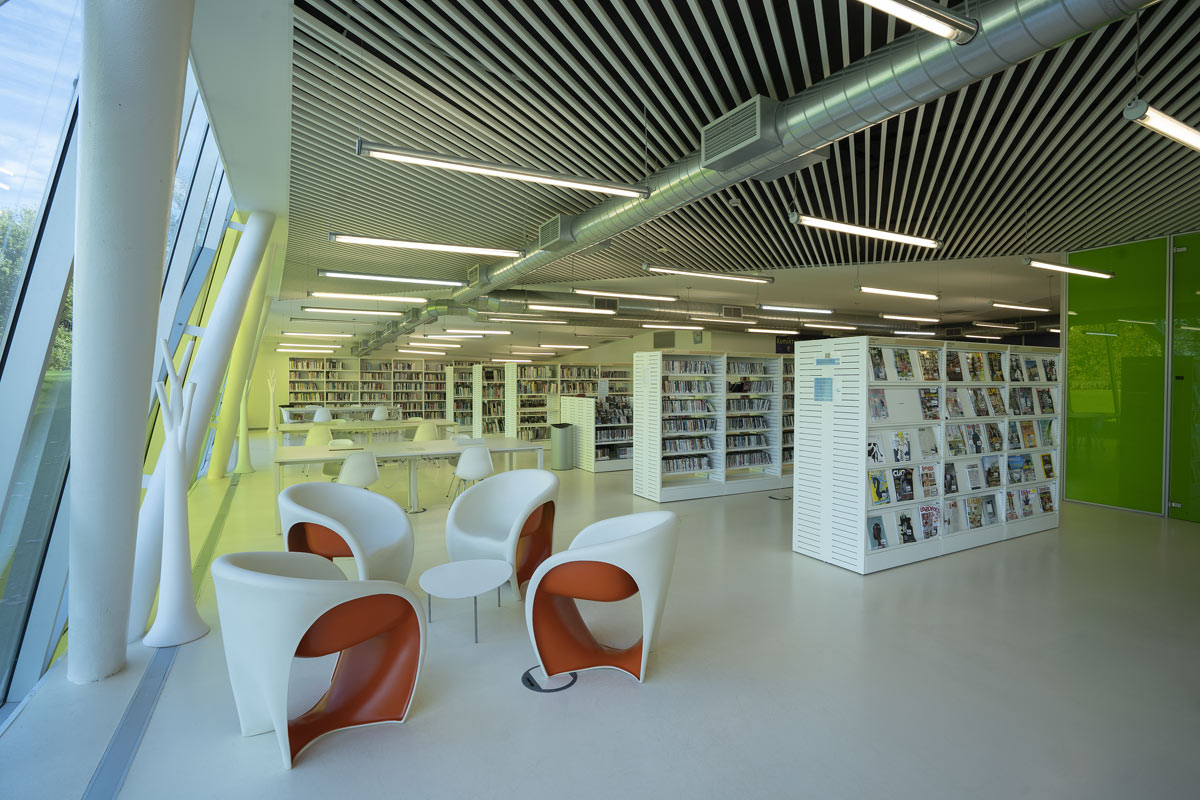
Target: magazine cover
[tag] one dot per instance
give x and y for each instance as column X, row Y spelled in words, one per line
column 953, row 406
column 953, row 366
column 878, row 403
column 1045, row 401
column 1025, row 396
column 1050, row 369
column 1014, row 369
column 974, row 436
column 878, row 370
column 955, row 440
column 974, row 512
column 990, row 515
column 901, row 449
column 930, row 407
column 927, row 439
column 1014, row 405
column 1016, row 474
column 974, row 479
column 929, row 486
column 904, row 368
column 1026, row 503
column 877, row 482
column 950, row 480
column 876, row 536
column 1010, row 507
column 1014, row 435
column 991, row 470
column 1027, row 434
column 996, row 399
column 1047, row 498
column 996, row 367
column 930, row 518
column 952, row 520
column 1048, row 465
column 929, row 365
column 875, row 452
column 902, row 479
column 978, row 402
column 975, row 366
column 1027, row 468
column 1031, row 369
column 1045, row 432
column 905, row 528
column 994, row 437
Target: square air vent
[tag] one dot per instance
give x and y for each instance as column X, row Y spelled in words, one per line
column 664, row 340
column 739, row 135
column 473, row 275
column 607, row 303
column 1027, row 327
column 555, row 232
column 731, row 312
column 954, row 331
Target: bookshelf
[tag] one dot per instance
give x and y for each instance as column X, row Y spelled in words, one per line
column 537, row 387
column 905, row 450
column 753, row 421
column 306, row 380
column 619, row 377
column 788, row 414
column 460, row 394
column 603, row 431
column 375, row 381
column 408, row 387
column 487, row 400
column 578, row 380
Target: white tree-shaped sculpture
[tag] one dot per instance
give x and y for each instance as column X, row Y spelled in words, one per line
column 177, row 620
column 272, row 423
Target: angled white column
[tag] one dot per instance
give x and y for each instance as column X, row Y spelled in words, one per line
column 130, row 100
column 243, row 432
column 208, row 370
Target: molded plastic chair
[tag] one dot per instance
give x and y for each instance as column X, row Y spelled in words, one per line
column 509, row 517
column 474, row 464
column 317, row 436
column 276, row 606
column 427, row 431
column 334, row 468
column 379, row 414
column 334, row 520
column 359, row 469
column 322, row 415
column 609, row 560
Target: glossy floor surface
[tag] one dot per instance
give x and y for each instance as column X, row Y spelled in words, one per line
column 1059, row 665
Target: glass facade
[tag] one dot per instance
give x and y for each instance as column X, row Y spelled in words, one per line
column 1184, row 494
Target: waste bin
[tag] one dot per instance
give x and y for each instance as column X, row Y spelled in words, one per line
column 562, row 446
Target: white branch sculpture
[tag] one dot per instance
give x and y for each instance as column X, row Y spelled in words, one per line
column 176, row 620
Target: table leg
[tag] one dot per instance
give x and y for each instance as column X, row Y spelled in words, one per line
column 413, row 502
column 275, row 511
column 497, row 597
column 508, row 461
column 475, row 601
column 429, row 608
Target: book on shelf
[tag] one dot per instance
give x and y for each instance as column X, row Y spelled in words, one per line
column 875, row 451
column 1027, row 468
column 975, row 366
column 1014, row 435
column 1026, row 496
column 929, row 365
column 878, row 483
column 996, row 367
column 1031, row 369
column 904, row 526
column 930, row 404
column 991, row 514
column 904, row 368
column 1045, row 432
column 878, row 404
column 953, row 366
column 1028, row 437
column 1016, row 472
column 930, row 521
column 876, row 535
column 1010, row 507
column 956, row 441
column 995, row 437
column 878, row 369
column 978, row 401
column 973, row 433
column 953, row 404
column 952, row 518
column 949, row 479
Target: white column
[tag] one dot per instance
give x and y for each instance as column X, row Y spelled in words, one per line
column 130, row 99
column 212, row 358
column 243, row 431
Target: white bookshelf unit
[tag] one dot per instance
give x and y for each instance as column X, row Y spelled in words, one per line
column 487, row 400
column 753, row 422
column 907, row 450
column 788, row 413
column 536, row 392
column 603, row 431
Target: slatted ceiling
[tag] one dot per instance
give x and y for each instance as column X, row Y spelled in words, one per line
column 1036, row 158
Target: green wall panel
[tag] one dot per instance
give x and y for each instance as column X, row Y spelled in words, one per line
column 1184, row 493
column 1116, row 365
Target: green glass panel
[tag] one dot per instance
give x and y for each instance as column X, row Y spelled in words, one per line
column 1116, row 365
column 1184, row 494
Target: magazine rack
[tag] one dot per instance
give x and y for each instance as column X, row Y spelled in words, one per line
column 906, row 450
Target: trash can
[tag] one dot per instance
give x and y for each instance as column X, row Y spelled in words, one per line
column 562, row 446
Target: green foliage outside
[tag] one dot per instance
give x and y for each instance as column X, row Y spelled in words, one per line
column 16, row 228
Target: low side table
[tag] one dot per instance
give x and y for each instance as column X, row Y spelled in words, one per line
column 469, row 578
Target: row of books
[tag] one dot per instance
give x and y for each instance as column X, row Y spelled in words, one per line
column 754, row 423
column 687, row 445
column 750, row 458
column 751, row 387
column 688, row 366
column 688, row 407
column 688, row 387
column 748, row 404
column 746, row 368
column 689, row 425
column 685, row 464
column 753, row 440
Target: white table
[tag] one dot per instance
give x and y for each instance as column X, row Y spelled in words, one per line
column 367, row 426
column 401, row 451
column 469, row 578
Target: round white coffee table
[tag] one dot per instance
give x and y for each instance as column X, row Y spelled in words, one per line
column 469, row 578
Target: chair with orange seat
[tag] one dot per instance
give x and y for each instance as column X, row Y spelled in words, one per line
column 608, row 561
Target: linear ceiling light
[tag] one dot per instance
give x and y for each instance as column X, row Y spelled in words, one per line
column 439, row 345
column 571, row 309
column 530, row 321
column 831, row 326
column 479, row 331
column 673, row 327
column 513, row 360
column 858, row 230
column 360, row 311
column 509, row 313
column 343, row 238
column 780, row 331
column 720, row 321
column 375, row 298
column 914, row 333
column 929, row 17
column 532, row 353
column 898, row 293
column 454, row 336
column 1056, row 330
column 565, row 346
column 1099, row 333
column 721, row 276
column 1091, row 273
column 422, row 352
column 1017, row 307
column 320, row 335
column 303, row 349
column 795, row 309
column 666, row 298
column 981, row 336
column 905, row 318
column 365, row 276
column 996, row 325
column 1145, row 115
column 492, row 170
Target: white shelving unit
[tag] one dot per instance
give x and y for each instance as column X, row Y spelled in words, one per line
column 511, row 416
column 537, row 393
column 487, row 400
column 788, row 414
column 753, row 422
column 603, row 432
column 903, row 449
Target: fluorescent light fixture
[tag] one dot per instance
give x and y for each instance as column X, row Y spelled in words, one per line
column 666, row 298
column 343, row 238
column 532, row 353
column 571, row 309
column 513, row 360
column 1076, row 313
column 1018, row 307
column 721, row 321
column 981, row 336
column 673, row 327
column 1145, row 115
column 530, row 321
column 781, row 331
column 510, row 314
column 359, row 311
column 1090, row 273
column 721, row 276
column 898, row 293
column 303, row 350
column 1098, row 333
column 929, row 17
column 320, row 335
column 1136, row 321
column 565, row 346
column 996, row 325
column 1056, row 330
column 422, row 352
column 454, row 336
column 492, row 170
column 375, row 298
column 794, row 309
column 365, row 276
column 831, row 326
column 439, row 345
column 1181, row 327
column 479, row 331
column 904, row 318
column 914, row 333
column 858, row 230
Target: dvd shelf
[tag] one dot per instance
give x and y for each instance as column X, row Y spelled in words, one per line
column 602, row 431
column 906, row 451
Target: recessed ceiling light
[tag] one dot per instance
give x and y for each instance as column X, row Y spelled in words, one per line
column 1136, row 322
column 352, row 311
column 570, row 309
column 831, row 326
column 721, row 276
column 374, row 298
column 365, row 276
column 343, row 238
column 1099, row 333
column 898, row 293
column 794, row 309
column 909, row 319
column 1018, row 307
column 666, row 298
column 1056, row 330
column 513, row 360
column 510, row 313
column 454, row 336
column 320, row 335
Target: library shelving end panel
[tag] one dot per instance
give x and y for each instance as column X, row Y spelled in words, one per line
column 477, row 400
column 1033, row 469
column 580, row 414
column 647, row 425
column 510, row 401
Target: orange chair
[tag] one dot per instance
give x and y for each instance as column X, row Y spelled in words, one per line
column 609, row 561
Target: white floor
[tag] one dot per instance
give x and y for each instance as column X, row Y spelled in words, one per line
column 1060, row 665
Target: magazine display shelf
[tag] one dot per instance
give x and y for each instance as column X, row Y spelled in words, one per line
column 907, row 450
column 602, row 432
